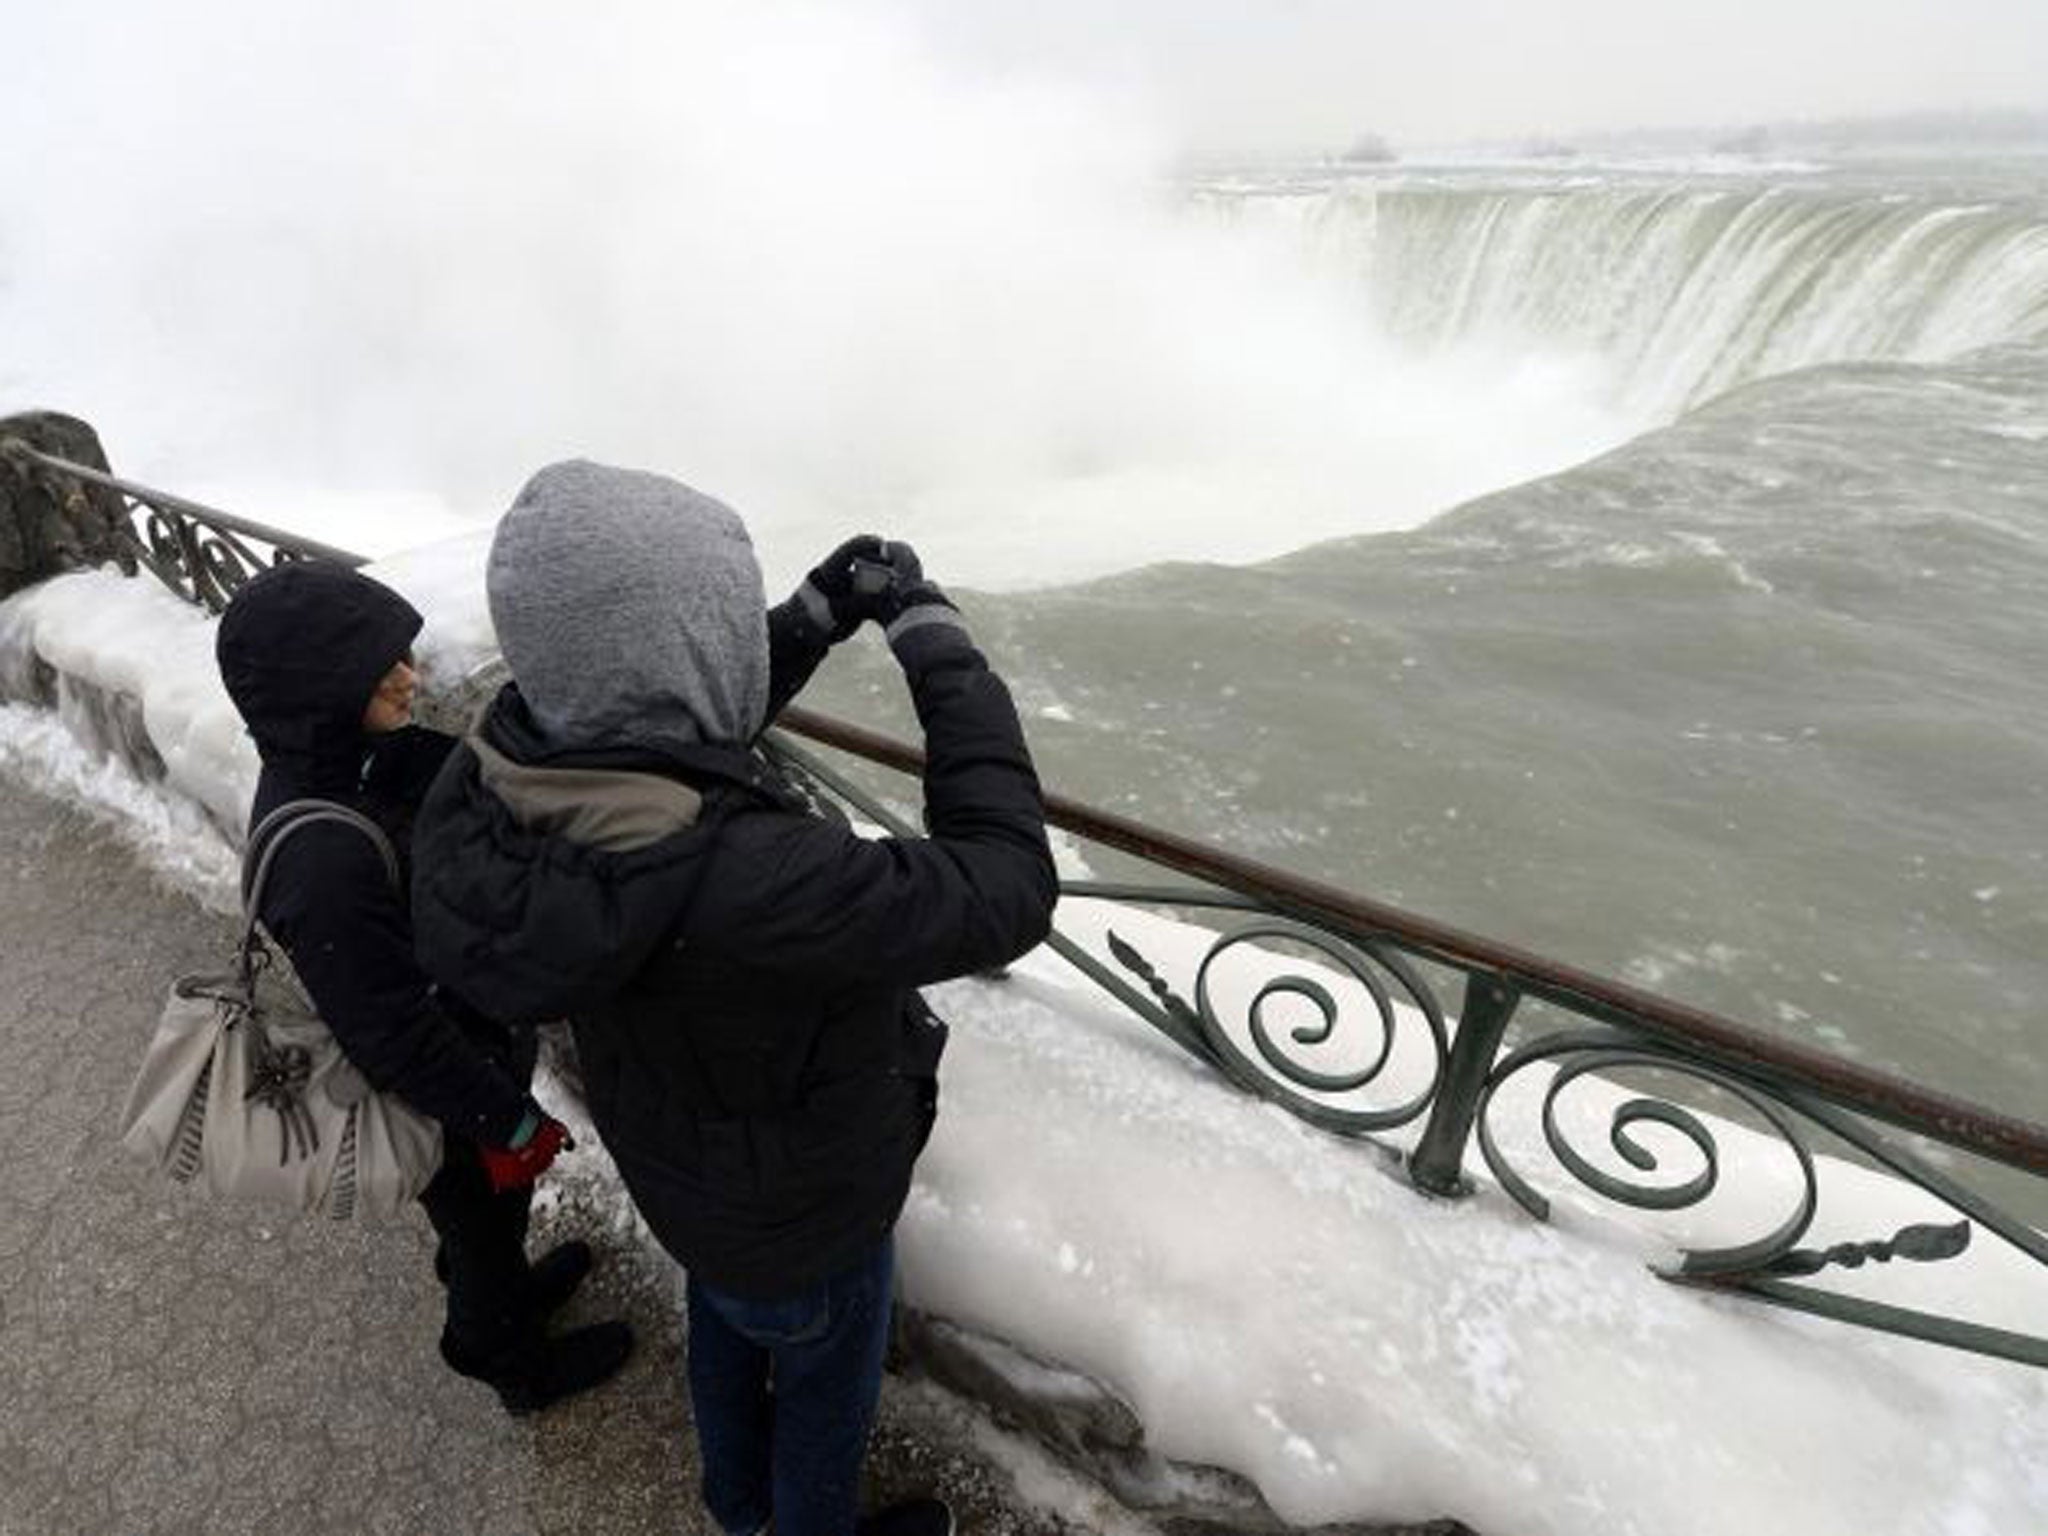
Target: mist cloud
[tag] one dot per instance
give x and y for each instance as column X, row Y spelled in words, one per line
column 790, row 252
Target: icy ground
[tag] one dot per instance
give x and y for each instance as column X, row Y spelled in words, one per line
column 1268, row 1298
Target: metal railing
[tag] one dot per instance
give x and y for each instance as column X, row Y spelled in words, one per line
column 199, row 552
column 1799, row 1095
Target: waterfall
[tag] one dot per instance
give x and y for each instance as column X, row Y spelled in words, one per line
column 1681, row 291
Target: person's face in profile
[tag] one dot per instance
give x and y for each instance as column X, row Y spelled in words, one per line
column 391, row 705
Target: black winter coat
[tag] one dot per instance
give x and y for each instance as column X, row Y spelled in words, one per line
column 301, row 649
column 739, row 971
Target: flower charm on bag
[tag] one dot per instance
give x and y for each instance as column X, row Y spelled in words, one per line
column 277, row 1080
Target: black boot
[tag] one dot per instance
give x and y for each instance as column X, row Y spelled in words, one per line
column 550, row 1281
column 536, row 1371
column 913, row 1517
column 554, row 1276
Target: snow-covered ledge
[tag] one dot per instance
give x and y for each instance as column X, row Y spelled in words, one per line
column 1219, row 1311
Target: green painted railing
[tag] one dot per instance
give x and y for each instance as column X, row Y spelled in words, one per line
column 1805, row 1100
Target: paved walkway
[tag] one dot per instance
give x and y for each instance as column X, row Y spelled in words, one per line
column 172, row 1364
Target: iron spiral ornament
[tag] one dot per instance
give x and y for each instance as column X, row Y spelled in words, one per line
column 1776, row 1252
column 1275, row 1070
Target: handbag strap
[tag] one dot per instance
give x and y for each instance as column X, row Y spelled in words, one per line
column 270, row 835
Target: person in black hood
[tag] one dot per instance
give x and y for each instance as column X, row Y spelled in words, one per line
column 318, row 661
column 739, row 972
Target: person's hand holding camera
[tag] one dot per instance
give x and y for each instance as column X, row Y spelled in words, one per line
column 827, row 593
column 867, row 577
column 891, row 582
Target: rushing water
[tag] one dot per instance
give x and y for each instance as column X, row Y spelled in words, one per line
column 1752, row 709
column 1682, row 291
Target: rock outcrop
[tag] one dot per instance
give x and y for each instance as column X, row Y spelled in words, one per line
column 1088, row 1426
column 49, row 522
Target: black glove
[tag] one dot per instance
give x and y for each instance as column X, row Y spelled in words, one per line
column 891, row 583
column 827, row 594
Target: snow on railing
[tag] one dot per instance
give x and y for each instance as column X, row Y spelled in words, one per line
column 1402, row 964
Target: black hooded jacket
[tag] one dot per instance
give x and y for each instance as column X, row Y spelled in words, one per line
column 740, row 971
column 301, row 649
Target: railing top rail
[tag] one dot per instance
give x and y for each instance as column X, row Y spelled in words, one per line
column 2020, row 1143
column 198, row 511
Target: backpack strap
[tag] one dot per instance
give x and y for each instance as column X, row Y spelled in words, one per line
column 269, row 836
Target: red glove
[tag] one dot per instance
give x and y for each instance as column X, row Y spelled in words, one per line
column 517, row 1167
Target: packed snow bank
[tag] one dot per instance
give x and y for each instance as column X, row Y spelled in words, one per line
column 1271, row 1299
column 133, row 638
column 1277, row 1302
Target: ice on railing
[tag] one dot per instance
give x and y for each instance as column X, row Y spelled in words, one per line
column 133, row 639
column 1269, row 1298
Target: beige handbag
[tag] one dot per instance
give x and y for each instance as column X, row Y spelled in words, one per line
column 245, row 1091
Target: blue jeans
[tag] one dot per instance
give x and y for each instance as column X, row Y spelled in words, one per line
column 784, row 1394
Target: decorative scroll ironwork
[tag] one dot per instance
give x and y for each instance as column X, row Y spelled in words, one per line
column 201, row 553
column 1276, row 1073
column 1758, row 1267
column 1923, row 1242
column 1605, row 1051
column 200, row 565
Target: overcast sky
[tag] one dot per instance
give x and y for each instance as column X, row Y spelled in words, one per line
column 1285, row 73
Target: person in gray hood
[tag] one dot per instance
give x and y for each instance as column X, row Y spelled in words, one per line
column 629, row 608
column 740, row 972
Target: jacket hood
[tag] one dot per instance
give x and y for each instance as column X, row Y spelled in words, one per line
column 540, row 889
column 630, row 611
column 301, row 649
